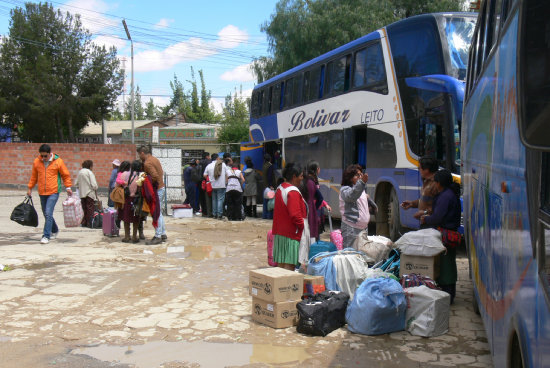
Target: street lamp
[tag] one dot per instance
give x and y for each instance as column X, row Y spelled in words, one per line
column 132, row 83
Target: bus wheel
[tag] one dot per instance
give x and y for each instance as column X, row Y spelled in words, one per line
column 394, row 223
column 474, row 303
column 515, row 356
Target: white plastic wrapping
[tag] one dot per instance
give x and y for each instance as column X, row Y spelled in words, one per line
column 427, row 312
column 425, row 242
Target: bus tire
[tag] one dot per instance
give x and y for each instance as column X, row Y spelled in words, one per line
column 394, row 222
column 475, row 305
column 515, row 355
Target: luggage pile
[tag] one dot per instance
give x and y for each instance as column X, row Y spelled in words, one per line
column 384, row 287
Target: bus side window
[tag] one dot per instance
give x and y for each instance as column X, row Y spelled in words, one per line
column 254, row 105
column 268, row 99
column 369, row 69
column 296, row 92
column 314, row 85
column 305, row 87
column 338, row 76
column 275, row 98
column 288, row 90
column 261, row 103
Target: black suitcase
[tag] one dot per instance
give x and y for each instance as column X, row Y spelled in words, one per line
column 322, row 313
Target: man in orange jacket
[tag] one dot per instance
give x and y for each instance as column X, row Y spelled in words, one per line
column 48, row 170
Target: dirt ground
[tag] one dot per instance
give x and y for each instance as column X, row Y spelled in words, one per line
column 85, row 300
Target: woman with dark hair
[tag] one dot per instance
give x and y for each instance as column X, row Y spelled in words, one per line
column 234, row 191
column 127, row 178
column 314, row 198
column 445, row 214
column 354, row 204
column 87, row 187
column 288, row 218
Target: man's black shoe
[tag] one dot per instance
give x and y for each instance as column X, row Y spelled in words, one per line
column 154, row 241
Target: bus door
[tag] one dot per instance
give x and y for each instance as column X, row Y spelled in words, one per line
column 355, row 146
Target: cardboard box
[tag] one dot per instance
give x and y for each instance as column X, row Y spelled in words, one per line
column 427, row 266
column 275, row 284
column 276, row 315
column 314, row 284
column 182, row 212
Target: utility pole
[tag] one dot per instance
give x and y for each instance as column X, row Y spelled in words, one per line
column 132, row 83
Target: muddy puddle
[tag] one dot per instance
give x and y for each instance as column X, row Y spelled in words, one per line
column 194, row 252
column 206, row 354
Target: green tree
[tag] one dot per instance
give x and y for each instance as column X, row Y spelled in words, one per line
column 235, row 121
column 300, row 30
column 53, row 79
column 139, row 111
column 151, row 110
column 179, row 102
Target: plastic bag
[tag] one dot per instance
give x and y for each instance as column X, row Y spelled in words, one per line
column 378, row 308
column 72, row 211
column 343, row 270
column 428, row 311
column 375, row 246
column 425, row 242
column 303, row 252
column 25, row 214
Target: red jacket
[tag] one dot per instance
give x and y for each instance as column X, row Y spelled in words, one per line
column 49, row 179
column 288, row 220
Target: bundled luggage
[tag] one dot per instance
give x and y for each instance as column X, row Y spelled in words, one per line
column 72, row 211
column 25, row 214
column 375, row 246
column 424, row 242
column 96, row 222
column 320, row 247
column 379, row 307
column 428, row 311
column 343, row 270
column 322, row 313
column 413, row 279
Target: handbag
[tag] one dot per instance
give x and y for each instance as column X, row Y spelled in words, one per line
column 97, row 203
column 25, row 214
column 207, row 186
column 117, row 196
column 450, row 238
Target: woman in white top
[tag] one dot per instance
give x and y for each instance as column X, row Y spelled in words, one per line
column 234, row 191
column 87, row 187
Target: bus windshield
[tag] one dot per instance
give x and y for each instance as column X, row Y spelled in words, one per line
column 458, row 33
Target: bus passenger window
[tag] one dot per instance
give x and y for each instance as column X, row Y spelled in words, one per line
column 296, row 90
column 369, row 70
column 254, row 105
column 337, row 78
column 314, row 84
column 276, row 98
column 261, row 103
column 268, row 99
column 287, row 98
column 305, row 87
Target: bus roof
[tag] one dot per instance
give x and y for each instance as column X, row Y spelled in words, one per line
column 375, row 35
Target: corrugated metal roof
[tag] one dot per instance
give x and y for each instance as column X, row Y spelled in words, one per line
column 113, row 127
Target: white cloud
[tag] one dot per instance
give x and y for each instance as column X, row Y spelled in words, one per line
column 90, row 14
column 164, row 23
column 192, row 49
column 230, row 37
column 241, row 73
column 218, row 104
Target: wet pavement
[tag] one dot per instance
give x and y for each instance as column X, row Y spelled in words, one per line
column 86, row 300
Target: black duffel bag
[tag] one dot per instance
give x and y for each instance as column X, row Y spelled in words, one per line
column 322, row 313
column 25, row 214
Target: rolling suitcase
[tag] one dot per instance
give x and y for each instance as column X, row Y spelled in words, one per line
column 335, row 235
column 270, row 238
column 109, row 223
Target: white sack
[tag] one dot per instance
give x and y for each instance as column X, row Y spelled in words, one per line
column 425, row 242
column 350, row 271
column 428, row 311
column 375, row 246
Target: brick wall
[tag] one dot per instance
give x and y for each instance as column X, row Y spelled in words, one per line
column 15, row 169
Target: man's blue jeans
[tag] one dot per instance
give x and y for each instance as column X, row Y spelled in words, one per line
column 161, row 228
column 218, row 197
column 48, row 205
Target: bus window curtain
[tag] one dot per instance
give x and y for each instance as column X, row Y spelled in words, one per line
column 362, row 154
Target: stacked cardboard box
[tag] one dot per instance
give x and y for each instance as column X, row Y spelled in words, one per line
column 426, row 266
column 275, row 293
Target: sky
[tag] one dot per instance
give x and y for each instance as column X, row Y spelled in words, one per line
column 219, row 37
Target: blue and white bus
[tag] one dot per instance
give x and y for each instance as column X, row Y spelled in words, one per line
column 506, row 178
column 382, row 101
